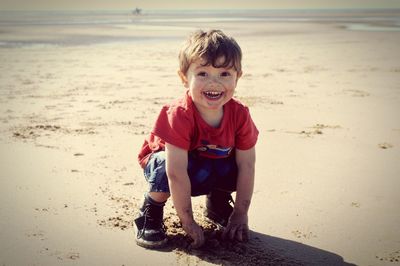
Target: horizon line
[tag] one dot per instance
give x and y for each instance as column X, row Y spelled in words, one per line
column 212, row 9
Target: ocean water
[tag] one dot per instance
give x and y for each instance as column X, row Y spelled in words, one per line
column 356, row 20
column 187, row 16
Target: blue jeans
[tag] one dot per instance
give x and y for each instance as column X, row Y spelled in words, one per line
column 205, row 174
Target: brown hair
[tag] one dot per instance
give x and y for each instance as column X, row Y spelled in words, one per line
column 210, row 46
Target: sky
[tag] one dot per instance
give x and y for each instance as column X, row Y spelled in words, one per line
column 191, row 4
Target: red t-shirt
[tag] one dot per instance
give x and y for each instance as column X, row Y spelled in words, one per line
column 181, row 125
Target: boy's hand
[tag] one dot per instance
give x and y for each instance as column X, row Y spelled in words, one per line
column 195, row 232
column 237, row 227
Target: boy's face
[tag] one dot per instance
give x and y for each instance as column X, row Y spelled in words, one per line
column 210, row 87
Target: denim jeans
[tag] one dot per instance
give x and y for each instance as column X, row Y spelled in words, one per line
column 205, row 174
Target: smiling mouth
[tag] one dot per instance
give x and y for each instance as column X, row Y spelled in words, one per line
column 213, row 95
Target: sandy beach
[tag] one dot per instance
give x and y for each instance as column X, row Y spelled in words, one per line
column 76, row 102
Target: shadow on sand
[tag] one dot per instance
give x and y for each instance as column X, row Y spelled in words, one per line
column 259, row 250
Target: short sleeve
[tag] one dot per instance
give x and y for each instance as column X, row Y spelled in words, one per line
column 246, row 131
column 174, row 126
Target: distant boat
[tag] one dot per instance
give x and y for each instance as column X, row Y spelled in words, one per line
column 137, row 11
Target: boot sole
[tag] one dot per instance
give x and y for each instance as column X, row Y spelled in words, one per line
column 149, row 244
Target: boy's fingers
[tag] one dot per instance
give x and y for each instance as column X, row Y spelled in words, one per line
column 233, row 232
column 243, row 234
column 198, row 239
column 194, row 244
column 198, row 242
column 238, row 232
column 230, row 231
column 226, row 231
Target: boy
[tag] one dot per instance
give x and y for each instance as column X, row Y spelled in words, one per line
column 203, row 144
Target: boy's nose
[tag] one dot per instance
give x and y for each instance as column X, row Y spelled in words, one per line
column 214, row 80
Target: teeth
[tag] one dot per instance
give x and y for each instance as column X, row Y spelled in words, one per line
column 213, row 94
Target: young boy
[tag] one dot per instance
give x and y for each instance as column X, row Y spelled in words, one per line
column 202, row 144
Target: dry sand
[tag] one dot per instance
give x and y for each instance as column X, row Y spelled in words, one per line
column 73, row 117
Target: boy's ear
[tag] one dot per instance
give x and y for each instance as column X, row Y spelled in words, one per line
column 183, row 79
column 239, row 74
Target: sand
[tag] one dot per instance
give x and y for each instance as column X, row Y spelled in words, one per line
column 74, row 115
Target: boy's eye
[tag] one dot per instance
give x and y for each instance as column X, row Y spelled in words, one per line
column 225, row 74
column 202, row 74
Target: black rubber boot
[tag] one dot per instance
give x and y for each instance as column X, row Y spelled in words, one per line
column 149, row 226
column 218, row 207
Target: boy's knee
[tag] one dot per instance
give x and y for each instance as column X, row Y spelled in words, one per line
column 155, row 173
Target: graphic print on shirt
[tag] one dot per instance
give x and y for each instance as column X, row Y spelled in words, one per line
column 212, row 150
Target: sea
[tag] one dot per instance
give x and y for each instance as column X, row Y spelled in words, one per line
column 382, row 20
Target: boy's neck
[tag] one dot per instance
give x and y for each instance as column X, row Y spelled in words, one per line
column 210, row 116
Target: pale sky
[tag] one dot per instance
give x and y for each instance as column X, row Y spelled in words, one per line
column 191, row 4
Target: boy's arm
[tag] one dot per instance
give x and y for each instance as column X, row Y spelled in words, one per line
column 179, row 184
column 238, row 222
